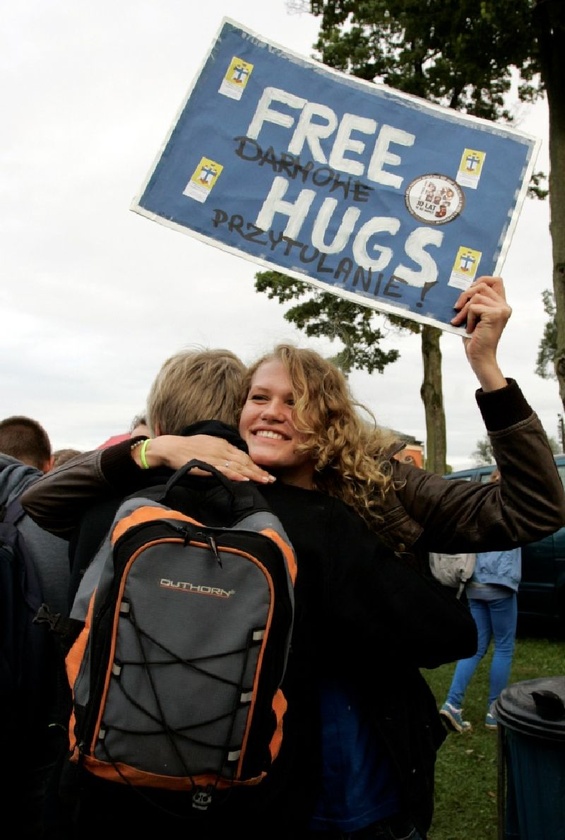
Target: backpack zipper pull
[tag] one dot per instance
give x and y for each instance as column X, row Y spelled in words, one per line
column 210, row 539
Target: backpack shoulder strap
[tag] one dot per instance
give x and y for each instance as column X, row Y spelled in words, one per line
column 12, row 513
column 31, row 588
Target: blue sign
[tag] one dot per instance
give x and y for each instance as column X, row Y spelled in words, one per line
column 379, row 197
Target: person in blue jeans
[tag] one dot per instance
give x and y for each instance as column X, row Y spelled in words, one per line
column 492, row 597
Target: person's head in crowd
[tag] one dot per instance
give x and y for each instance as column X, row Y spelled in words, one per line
column 300, row 421
column 61, row 456
column 26, row 440
column 139, row 426
column 214, row 380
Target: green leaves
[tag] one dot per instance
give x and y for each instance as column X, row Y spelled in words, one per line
column 459, row 53
column 325, row 315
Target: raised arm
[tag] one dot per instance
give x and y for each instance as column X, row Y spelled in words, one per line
column 529, row 502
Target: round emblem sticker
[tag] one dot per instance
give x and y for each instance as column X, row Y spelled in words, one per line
column 434, row 199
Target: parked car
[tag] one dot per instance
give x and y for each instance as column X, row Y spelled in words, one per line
column 542, row 590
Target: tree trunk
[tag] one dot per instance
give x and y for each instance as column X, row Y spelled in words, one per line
column 551, row 20
column 432, row 397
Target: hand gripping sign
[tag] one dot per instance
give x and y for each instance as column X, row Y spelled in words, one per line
column 382, row 198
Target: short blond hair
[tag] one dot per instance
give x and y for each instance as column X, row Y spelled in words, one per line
column 195, row 385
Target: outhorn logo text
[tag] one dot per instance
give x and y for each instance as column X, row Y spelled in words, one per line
column 196, row 589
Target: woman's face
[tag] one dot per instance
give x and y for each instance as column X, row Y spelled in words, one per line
column 267, row 428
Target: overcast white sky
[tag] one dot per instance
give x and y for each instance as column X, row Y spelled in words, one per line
column 95, row 297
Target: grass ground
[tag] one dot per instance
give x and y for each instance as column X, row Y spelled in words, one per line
column 466, row 801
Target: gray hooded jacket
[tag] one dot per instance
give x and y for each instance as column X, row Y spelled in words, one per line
column 50, row 553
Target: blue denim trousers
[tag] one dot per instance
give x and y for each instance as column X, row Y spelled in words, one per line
column 393, row 828
column 496, row 620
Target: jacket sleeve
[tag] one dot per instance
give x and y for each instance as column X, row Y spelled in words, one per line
column 461, row 516
column 58, row 500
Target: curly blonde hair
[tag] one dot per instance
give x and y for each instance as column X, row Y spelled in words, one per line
column 349, row 452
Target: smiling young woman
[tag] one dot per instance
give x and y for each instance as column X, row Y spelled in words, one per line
column 266, row 425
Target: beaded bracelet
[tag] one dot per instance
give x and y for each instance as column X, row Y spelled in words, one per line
column 142, row 452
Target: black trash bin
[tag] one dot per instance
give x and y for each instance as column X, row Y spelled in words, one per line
column 531, row 756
